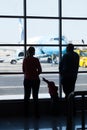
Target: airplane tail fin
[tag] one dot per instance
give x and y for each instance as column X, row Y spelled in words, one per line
column 21, row 29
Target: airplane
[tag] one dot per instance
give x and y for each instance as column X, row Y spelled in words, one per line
column 42, row 52
column 53, row 40
column 47, row 52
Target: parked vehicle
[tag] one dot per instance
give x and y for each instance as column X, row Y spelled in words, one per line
column 83, row 57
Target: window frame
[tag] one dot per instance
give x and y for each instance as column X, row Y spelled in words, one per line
column 60, row 19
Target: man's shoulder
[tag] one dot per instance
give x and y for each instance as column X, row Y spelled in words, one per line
column 65, row 55
column 76, row 54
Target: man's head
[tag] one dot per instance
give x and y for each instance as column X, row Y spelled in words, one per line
column 70, row 47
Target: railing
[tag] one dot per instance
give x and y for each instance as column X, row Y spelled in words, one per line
column 70, row 109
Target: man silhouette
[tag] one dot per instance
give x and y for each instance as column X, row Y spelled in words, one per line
column 68, row 69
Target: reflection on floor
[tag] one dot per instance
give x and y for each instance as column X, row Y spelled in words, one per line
column 42, row 123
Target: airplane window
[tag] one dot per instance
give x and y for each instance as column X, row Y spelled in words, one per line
column 21, row 54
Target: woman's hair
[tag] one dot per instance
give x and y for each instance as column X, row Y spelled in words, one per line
column 31, row 51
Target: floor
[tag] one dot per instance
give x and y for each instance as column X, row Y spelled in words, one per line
column 42, row 123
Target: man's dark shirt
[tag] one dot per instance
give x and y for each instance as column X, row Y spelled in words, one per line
column 69, row 64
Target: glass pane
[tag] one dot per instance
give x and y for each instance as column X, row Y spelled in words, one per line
column 74, row 8
column 81, row 84
column 11, row 30
column 44, row 91
column 82, row 51
column 81, row 78
column 42, row 8
column 39, row 28
column 75, row 31
column 11, row 58
column 11, row 86
column 48, row 57
column 11, row 7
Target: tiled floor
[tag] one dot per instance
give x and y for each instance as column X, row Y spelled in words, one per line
column 43, row 123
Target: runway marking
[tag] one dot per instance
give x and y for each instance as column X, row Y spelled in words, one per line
column 21, row 96
column 42, row 86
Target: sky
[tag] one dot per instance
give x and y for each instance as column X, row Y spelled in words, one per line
column 73, row 30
